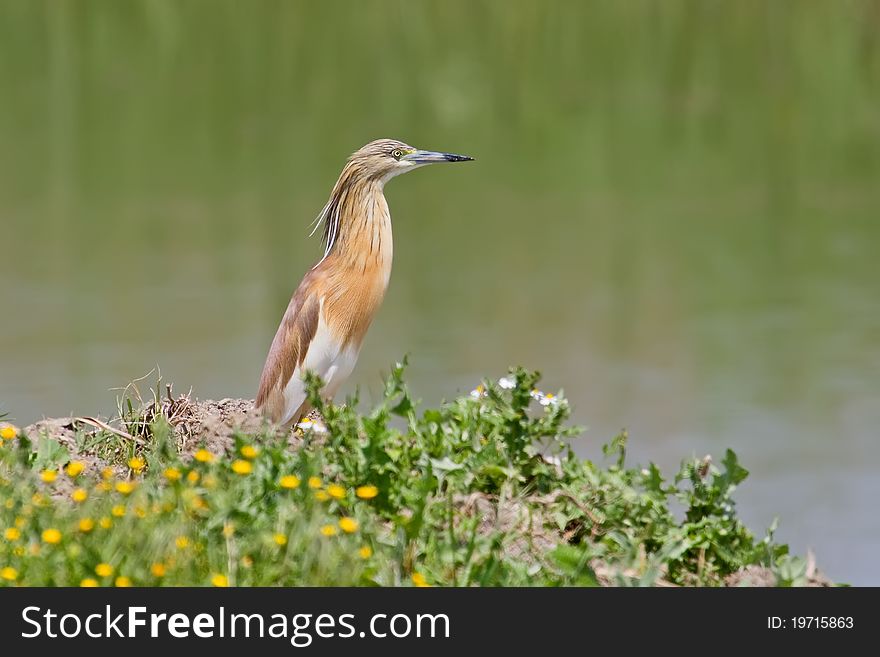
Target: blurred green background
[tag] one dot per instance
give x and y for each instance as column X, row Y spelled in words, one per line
column 673, row 214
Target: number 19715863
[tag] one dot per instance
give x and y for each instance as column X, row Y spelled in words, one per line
column 810, row 622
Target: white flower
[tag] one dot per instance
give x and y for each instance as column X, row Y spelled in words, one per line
column 310, row 425
column 479, row 391
column 537, row 395
column 549, row 400
column 507, row 382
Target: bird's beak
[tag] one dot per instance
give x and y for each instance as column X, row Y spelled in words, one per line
column 429, row 157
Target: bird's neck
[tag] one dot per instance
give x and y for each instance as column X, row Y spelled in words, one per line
column 363, row 240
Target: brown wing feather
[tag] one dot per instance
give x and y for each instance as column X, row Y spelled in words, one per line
column 289, row 347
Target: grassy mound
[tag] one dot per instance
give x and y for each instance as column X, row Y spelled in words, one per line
column 481, row 491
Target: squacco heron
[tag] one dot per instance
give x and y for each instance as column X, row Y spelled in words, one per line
column 331, row 310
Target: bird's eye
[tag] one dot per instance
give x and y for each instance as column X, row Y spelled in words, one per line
column 396, row 153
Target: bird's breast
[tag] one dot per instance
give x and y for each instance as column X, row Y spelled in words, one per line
column 355, row 276
column 351, row 299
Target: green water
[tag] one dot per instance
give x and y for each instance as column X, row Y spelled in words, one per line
column 674, row 214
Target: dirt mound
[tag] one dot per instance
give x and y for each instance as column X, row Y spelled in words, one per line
column 212, row 424
column 65, row 431
column 762, row 576
column 196, row 423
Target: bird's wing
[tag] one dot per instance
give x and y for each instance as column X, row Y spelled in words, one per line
column 287, row 353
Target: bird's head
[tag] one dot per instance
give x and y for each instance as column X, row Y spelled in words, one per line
column 385, row 158
column 365, row 173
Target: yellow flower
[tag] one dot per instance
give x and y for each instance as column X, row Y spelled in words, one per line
column 51, row 536
column 348, row 525
column 79, row 495
column 219, row 580
column 103, row 570
column 18, row 551
column 228, row 529
column 123, row 582
column 75, row 468
column 137, row 463
column 118, row 510
column 105, row 522
column 88, row 583
column 419, row 580
column 9, row 573
column 140, row 512
column 328, row 530
column 280, row 539
column 192, row 476
column 182, row 542
column 20, row 522
column 336, row 491
column 321, row 495
column 125, row 487
column 107, row 473
column 48, row 476
column 366, row 492
column 247, row 561
column 12, row 534
column 105, row 486
column 289, row 481
column 86, row 525
column 158, row 570
column 172, row 474
column 203, row 456
column 365, row 552
column 249, row 451
column 314, row 482
column 242, row 467
column 8, row 431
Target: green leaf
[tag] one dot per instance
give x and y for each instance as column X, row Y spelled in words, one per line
column 734, row 473
column 574, row 563
column 403, row 407
column 50, row 454
column 617, row 446
column 445, row 464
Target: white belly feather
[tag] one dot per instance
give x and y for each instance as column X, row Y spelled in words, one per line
column 327, row 358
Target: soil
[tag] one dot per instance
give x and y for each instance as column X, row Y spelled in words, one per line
column 209, row 424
